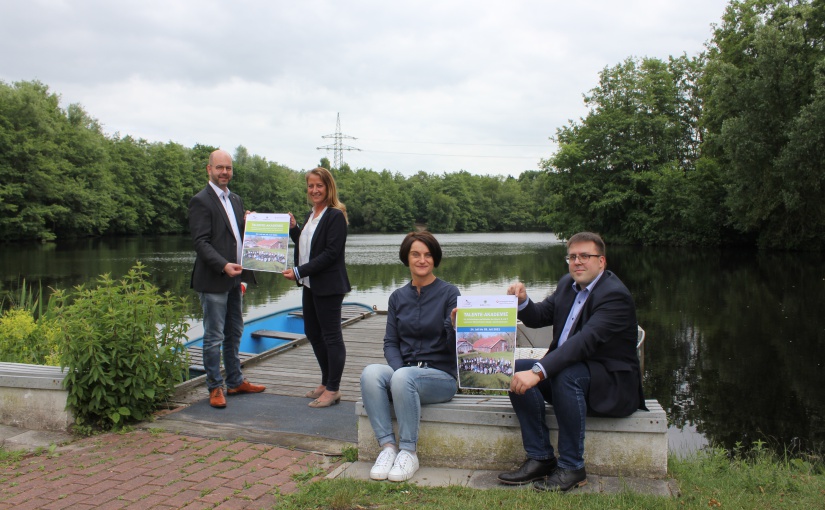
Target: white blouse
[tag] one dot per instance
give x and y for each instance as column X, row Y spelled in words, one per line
column 305, row 242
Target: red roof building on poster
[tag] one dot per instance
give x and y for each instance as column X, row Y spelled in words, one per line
column 491, row 344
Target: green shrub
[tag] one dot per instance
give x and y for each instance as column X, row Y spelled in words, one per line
column 24, row 340
column 121, row 343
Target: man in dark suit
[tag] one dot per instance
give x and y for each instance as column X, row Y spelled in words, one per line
column 216, row 221
column 591, row 365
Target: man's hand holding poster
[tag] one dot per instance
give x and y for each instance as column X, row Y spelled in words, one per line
column 486, row 341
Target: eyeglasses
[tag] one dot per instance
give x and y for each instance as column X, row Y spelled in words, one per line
column 584, row 257
column 221, row 168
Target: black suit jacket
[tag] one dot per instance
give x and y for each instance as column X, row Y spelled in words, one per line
column 603, row 337
column 215, row 244
column 326, row 270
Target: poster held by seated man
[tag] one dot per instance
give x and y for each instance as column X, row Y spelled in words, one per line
column 591, row 365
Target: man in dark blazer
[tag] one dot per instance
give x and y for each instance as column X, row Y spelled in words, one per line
column 591, row 365
column 216, row 221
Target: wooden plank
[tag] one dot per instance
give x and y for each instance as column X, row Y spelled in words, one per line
column 196, row 356
column 268, row 333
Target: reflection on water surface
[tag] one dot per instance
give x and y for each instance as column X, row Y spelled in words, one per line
column 734, row 337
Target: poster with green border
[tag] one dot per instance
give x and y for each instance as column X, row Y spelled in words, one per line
column 266, row 242
column 486, row 341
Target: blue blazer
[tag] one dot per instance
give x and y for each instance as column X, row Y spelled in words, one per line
column 603, row 337
column 326, row 270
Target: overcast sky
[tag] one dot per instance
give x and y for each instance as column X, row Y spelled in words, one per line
column 438, row 86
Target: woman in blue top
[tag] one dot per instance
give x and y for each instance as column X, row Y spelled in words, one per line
column 419, row 346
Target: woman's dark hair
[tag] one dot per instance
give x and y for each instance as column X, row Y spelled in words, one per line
column 426, row 238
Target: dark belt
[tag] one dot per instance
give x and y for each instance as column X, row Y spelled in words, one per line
column 419, row 364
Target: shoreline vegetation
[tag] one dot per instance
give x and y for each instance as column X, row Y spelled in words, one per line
column 118, row 342
column 721, row 148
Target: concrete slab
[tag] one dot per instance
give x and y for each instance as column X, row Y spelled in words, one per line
column 15, row 438
column 34, row 407
column 425, row 477
column 483, row 431
column 483, row 479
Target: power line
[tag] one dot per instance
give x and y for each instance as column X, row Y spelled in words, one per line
column 337, row 145
column 454, row 155
column 458, row 143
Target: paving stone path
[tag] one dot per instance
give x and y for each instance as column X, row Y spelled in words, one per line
column 149, row 469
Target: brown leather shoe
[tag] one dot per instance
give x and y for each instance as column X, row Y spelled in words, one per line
column 246, row 387
column 216, row 398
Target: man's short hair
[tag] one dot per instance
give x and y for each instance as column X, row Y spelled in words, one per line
column 583, row 237
column 426, row 238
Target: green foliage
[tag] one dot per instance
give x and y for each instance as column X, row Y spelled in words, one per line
column 724, row 147
column 708, row 480
column 24, row 298
column 10, row 458
column 308, row 474
column 121, row 344
column 28, row 333
column 24, row 340
column 614, row 171
column 765, row 116
column 716, row 149
column 64, row 178
column 748, row 478
column 350, row 453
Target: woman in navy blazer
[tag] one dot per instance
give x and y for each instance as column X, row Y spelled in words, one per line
column 319, row 268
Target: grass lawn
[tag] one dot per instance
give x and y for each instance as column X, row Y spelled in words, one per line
column 709, row 480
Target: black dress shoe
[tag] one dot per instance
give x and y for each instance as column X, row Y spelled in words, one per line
column 562, row 480
column 529, row 471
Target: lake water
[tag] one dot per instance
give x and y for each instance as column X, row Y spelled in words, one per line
column 735, row 338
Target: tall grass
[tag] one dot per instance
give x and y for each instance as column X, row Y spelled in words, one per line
column 28, row 331
column 24, row 298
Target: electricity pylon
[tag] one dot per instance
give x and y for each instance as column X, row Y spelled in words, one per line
column 337, row 145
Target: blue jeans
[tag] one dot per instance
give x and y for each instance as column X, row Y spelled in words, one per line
column 567, row 391
column 408, row 388
column 222, row 327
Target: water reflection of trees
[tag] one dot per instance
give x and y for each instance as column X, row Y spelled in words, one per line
column 734, row 338
column 734, row 341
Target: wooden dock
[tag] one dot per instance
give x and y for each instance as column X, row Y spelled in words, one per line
column 293, row 370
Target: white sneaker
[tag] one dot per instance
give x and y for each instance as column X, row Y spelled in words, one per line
column 405, row 466
column 383, row 464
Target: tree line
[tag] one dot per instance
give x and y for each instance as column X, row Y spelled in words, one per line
column 726, row 147
column 63, row 177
